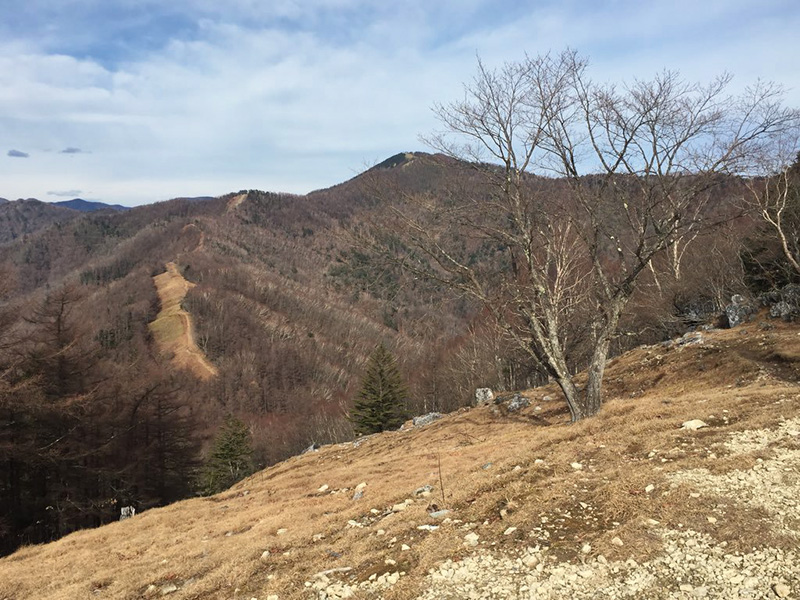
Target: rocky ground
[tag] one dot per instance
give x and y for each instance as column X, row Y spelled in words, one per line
column 690, row 564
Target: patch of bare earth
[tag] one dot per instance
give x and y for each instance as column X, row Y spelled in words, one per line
column 626, row 504
column 172, row 328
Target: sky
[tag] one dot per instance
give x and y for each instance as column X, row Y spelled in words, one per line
column 136, row 101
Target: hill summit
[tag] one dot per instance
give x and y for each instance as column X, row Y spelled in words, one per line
column 685, row 485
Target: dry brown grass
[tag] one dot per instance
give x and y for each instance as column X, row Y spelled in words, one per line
column 212, row 547
column 172, row 329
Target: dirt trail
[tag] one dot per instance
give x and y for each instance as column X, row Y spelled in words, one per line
column 172, row 328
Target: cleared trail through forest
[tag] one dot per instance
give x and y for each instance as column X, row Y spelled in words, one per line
column 173, row 329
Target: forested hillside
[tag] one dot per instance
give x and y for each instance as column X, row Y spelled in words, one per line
column 290, row 296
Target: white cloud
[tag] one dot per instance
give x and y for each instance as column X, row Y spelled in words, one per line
column 249, row 101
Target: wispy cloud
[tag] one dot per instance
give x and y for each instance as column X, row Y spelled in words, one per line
column 71, row 150
column 66, row 193
column 17, row 154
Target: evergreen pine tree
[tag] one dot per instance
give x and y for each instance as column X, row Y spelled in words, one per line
column 380, row 403
column 231, row 458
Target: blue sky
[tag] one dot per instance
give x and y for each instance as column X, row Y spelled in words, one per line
column 134, row 101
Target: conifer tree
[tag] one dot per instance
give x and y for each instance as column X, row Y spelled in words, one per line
column 231, row 458
column 381, row 402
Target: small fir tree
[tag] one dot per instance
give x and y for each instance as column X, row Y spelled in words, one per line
column 231, row 458
column 380, row 405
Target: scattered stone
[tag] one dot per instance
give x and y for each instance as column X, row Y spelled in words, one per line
column 361, row 485
column 168, row 589
column 486, row 466
column 586, row 548
column 686, row 587
column 439, row 514
column 405, row 547
column 323, row 488
column 312, row 448
column 427, row 527
column 576, row 465
column 281, row 531
column 422, row 490
column 265, row 556
column 649, row 488
column 471, row 539
column 693, row 425
column 711, row 520
column 358, row 495
column 423, row 420
column 509, row 531
column 615, row 541
column 399, row 507
column 781, row 590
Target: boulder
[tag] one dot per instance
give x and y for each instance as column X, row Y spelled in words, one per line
column 738, row 311
column 483, row 396
column 517, row 403
column 426, row 419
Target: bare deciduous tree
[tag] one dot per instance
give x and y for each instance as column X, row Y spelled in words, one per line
column 575, row 188
column 774, row 197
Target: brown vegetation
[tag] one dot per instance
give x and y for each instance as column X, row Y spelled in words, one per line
column 498, row 470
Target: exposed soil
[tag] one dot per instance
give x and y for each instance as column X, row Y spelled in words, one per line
column 173, row 330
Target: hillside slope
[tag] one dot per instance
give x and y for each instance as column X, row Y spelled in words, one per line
column 627, row 503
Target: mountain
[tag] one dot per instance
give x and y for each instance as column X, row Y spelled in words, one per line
column 127, row 337
column 684, row 480
column 88, row 206
column 21, row 217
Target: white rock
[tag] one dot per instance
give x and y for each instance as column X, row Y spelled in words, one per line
column 649, row 488
column 405, row 547
column 281, row 531
column 616, row 541
column 509, row 531
column 361, row 486
column 471, row 539
column 323, row 488
column 264, row 556
column 576, row 465
column 586, row 548
column 781, row 590
column 693, row 425
column 399, row 507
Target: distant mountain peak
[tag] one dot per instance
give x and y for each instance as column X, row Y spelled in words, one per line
column 82, row 205
column 397, row 160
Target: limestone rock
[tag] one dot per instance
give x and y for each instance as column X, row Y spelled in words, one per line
column 483, row 396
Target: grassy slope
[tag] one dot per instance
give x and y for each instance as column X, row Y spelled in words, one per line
column 214, row 547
